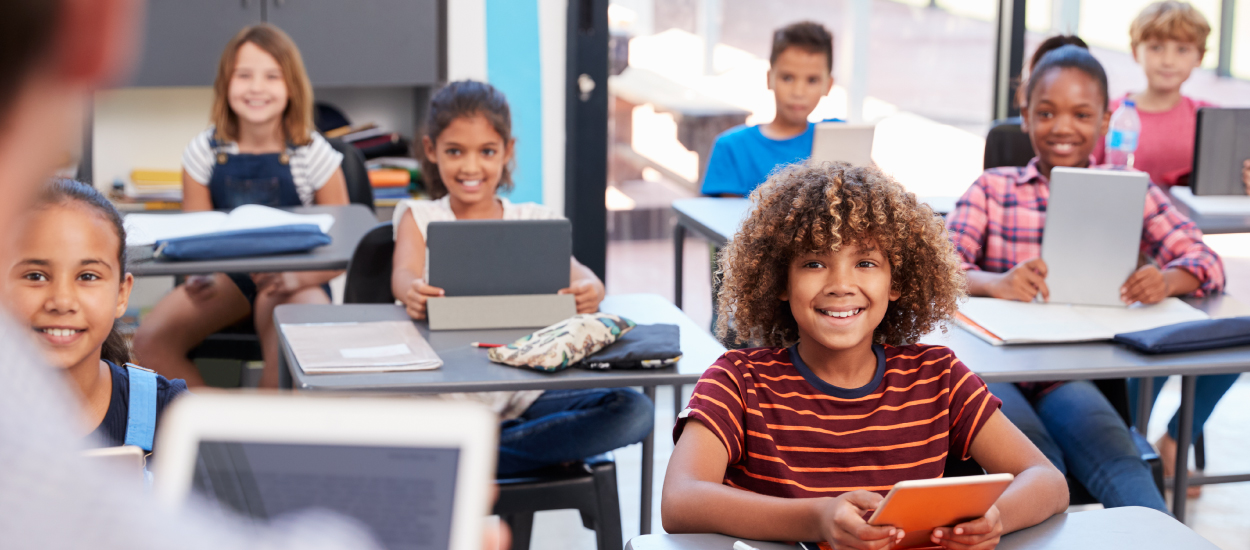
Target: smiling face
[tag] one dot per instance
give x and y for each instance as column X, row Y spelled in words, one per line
column 1066, row 115
column 799, row 78
column 1167, row 62
column 839, row 298
column 67, row 282
column 471, row 156
column 257, row 93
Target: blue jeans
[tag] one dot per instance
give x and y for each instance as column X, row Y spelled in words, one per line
column 567, row 425
column 1083, row 436
column 1207, row 392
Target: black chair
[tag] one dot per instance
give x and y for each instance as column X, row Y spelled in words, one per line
column 1007, row 144
column 239, row 342
column 588, row 486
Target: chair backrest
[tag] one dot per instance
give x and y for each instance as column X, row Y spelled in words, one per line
column 1007, row 144
column 369, row 272
column 359, row 191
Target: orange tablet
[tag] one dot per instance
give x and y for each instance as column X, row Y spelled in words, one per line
column 920, row 506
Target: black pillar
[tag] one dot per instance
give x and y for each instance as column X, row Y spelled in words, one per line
column 1008, row 57
column 586, row 131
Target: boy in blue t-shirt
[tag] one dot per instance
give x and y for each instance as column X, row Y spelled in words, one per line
column 801, row 73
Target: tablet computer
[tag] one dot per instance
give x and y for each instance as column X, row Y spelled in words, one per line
column 499, row 257
column 1093, row 234
column 417, row 473
column 1221, row 144
column 920, row 506
column 840, row 141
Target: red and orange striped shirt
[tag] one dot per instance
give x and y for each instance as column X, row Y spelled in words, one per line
column 791, row 434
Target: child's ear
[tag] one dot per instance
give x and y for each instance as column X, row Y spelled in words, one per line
column 1106, row 122
column 895, row 294
column 427, row 145
column 1024, row 118
column 123, row 295
column 769, row 76
column 509, row 150
column 785, row 293
column 829, row 88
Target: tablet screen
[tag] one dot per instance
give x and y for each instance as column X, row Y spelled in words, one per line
column 404, row 494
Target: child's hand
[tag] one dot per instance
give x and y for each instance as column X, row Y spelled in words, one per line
column 277, row 283
column 1147, row 285
column 1022, row 282
column 588, row 294
column 1245, row 174
column 418, row 293
column 843, row 526
column 979, row 534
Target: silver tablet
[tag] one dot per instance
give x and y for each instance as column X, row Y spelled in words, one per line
column 500, row 257
column 840, row 141
column 1093, row 234
column 1221, row 144
column 417, row 473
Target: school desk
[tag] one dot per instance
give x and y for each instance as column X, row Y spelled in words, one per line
column 351, row 222
column 467, row 369
column 1128, row 528
column 1099, row 360
column 1212, row 225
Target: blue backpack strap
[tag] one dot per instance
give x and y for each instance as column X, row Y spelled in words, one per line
column 141, row 417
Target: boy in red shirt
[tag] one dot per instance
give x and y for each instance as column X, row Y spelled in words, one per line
column 836, row 271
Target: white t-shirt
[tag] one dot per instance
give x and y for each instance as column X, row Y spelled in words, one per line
column 507, row 405
column 311, row 165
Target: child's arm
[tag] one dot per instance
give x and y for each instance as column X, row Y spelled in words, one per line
column 695, row 501
column 408, row 269
column 1245, row 174
column 1038, row 492
column 1021, row 283
column 195, row 195
column 334, row 192
column 585, row 286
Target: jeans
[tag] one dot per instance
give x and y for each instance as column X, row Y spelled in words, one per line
column 1083, row 436
column 567, row 425
column 1207, row 392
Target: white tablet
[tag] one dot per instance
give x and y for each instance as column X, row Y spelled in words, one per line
column 840, row 141
column 418, row 473
column 1093, row 234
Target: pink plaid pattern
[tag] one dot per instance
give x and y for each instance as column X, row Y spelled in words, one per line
column 998, row 223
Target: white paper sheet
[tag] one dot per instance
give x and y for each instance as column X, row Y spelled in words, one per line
column 1213, row 205
column 1031, row 323
column 146, row 229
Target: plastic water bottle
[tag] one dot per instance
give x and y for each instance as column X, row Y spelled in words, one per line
column 1123, row 133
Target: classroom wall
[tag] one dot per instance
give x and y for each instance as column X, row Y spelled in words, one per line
column 507, row 43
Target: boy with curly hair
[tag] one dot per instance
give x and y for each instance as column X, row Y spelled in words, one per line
column 836, row 272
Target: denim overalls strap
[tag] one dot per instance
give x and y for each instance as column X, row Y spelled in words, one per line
column 240, row 179
column 141, row 411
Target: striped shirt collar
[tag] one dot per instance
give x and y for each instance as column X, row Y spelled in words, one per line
column 835, row 391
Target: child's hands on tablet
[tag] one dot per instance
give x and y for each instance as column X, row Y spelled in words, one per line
column 843, row 525
column 1147, row 285
column 587, row 292
column 414, row 300
column 979, row 534
column 1022, row 282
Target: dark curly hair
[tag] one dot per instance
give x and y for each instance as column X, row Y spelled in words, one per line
column 804, row 208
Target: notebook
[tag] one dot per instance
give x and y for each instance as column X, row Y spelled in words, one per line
column 839, row 141
column 1009, row 322
column 379, row 346
column 146, row 229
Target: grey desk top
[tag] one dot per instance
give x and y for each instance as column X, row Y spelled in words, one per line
column 1129, row 528
column 1214, row 224
column 351, row 222
column 466, row 369
column 1091, row 360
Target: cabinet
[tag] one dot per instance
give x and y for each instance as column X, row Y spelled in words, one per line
column 343, row 42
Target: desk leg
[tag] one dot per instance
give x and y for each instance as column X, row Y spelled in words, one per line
column 678, row 404
column 1145, row 388
column 679, row 245
column 1183, row 438
column 648, row 473
column 285, row 381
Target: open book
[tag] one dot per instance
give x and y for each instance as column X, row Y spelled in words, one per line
column 146, row 229
column 1007, row 322
column 379, row 346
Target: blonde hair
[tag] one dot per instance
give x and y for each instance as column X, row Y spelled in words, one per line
column 1171, row 20
column 297, row 119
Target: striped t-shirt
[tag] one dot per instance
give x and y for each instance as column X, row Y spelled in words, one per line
column 791, row 434
column 311, row 165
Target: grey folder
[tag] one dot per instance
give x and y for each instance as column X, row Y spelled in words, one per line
column 1093, row 234
column 500, row 257
column 1221, row 144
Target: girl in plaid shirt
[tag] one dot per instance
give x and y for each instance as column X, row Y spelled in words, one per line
column 997, row 229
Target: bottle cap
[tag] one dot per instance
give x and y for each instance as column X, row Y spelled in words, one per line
column 1130, row 103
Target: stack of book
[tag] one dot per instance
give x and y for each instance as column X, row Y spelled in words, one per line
column 147, row 185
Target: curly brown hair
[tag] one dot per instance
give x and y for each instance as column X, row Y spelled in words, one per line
column 805, row 208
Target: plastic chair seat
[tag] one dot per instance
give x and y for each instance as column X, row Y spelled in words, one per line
column 588, row 486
